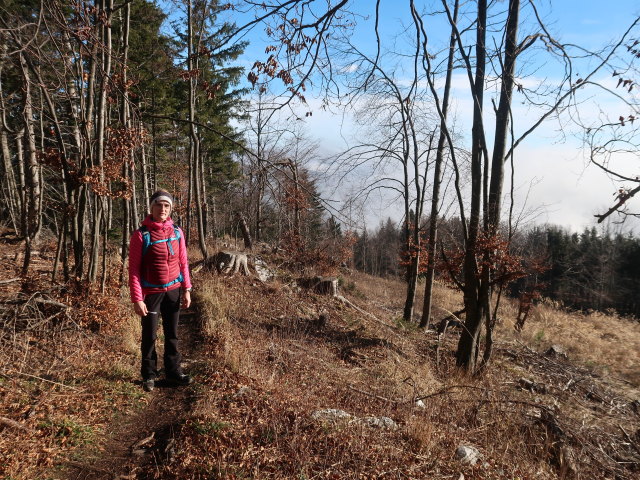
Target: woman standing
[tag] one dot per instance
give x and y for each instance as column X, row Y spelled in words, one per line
column 159, row 283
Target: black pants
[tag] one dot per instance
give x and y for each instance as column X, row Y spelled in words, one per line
column 166, row 304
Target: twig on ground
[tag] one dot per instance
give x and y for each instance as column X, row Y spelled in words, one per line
column 364, row 312
column 448, row 389
column 7, row 422
column 629, row 439
column 369, row 394
column 48, row 381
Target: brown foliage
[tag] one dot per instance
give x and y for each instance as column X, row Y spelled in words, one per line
column 492, row 252
column 324, row 258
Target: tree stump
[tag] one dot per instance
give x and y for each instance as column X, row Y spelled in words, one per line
column 321, row 285
column 224, row 262
column 231, row 262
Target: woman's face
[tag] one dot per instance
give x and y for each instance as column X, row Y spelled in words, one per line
column 160, row 211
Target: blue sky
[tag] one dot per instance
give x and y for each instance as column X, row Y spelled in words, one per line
column 552, row 174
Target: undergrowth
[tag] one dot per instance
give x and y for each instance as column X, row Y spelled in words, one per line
column 273, row 354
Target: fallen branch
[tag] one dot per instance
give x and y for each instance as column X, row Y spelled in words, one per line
column 364, row 312
column 448, row 389
column 10, row 280
column 7, row 422
column 84, row 466
column 143, row 442
column 629, row 439
column 42, row 301
column 48, row 381
column 369, row 394
column 442, row 332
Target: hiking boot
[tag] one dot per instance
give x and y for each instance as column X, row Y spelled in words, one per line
column 148, row 384
column 180, row 379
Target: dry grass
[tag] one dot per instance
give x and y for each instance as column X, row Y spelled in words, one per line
column 63, row 376
column 278, row 354
column 607, row 343
column 62, row 403
column 272, row 354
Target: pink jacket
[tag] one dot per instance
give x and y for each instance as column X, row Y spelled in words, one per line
column 158, row 264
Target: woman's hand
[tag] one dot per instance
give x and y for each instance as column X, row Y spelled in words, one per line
column 140, row 308
column 186, row 299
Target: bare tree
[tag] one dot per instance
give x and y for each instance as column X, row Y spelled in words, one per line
column 397, row 137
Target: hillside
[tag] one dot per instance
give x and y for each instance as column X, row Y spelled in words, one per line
column 291, row 384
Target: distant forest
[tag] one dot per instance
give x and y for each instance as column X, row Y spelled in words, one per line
column 588, row 270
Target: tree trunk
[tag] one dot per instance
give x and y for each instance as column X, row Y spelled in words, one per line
column 502, row 118
column 101, row 140
column 33, row 197
column 498, row 160
column 9, row 186
column 246, row 235
column 194, row 139
column 474, row 290
column 437, row 181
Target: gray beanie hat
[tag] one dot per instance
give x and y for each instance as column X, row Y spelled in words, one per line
column 161, row 196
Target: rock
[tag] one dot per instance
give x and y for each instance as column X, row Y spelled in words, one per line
column 556, row 351
column 321, row 285
column 532, row 386
column 331, row 415
column 334, row 416
column 380, row 422
column 264, row 273
column 468, row 455
column 242, row 392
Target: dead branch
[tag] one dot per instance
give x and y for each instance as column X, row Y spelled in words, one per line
column 448, row 389
column 48, row 381
column 7, row 422
column 621, row 201
column 369, row 394
column 370, row 315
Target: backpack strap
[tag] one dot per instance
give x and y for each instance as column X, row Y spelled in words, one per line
column 146, row 239
column 146, row 243
column 165, row 285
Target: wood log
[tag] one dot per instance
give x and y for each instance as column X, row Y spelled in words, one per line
column 227, row 262
column 7, row 422
column 321, row 285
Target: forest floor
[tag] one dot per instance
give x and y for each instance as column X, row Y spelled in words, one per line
column 291, row 384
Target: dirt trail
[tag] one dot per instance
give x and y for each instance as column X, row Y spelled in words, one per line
column 147, row 436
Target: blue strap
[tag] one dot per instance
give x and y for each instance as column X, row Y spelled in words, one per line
column 165, row 285
column 146, row 240
column 146, row 243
